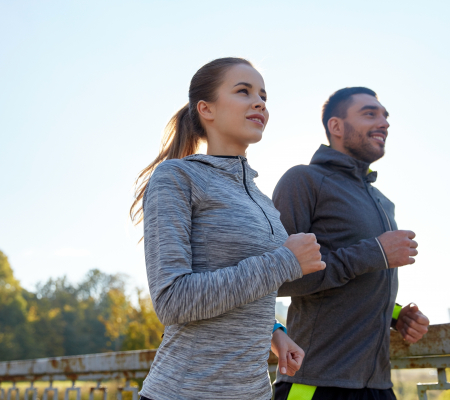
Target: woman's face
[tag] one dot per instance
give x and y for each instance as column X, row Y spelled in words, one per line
column 239, row 115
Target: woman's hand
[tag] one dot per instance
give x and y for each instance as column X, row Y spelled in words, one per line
column 306, row 249
column 290, row 356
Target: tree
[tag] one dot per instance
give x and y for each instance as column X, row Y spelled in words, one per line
column 65, row 319
column 144, row 330
column 116, row 320
column 69, row 318
column 16, row 338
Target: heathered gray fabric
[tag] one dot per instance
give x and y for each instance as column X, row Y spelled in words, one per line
column 340, row 316
column 213, row 268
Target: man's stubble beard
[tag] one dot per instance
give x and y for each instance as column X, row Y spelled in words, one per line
column 357, row 145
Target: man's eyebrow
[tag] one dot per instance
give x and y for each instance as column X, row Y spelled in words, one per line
column 375, row 108
column 248, row 85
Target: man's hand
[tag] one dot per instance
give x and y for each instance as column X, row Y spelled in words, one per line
column 290, row 356
column 399, row 247
column 411, row 323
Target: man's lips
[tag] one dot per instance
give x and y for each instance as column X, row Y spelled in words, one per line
column 257, row 118
column 378, row 137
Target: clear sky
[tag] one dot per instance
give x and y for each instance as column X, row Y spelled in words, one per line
column 86, row 89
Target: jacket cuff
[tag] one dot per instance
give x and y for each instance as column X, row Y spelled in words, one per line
column 370, row 258
column 384, row 254
column 287, row 258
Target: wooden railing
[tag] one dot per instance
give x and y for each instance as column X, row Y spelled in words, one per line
column 433, row 351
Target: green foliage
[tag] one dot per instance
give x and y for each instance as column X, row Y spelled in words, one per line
column 64, row 319
column 144, row 330
column 16, row 340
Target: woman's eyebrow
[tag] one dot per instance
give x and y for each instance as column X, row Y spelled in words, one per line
column 249, row 85
column 245, row 84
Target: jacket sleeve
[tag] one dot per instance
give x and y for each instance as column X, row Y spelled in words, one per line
column 295, row 196
column 178, row 294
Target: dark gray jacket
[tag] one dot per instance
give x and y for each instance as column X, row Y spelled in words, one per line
column 340, row 316
column 214, row 255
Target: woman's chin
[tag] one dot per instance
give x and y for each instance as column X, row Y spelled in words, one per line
column 254, row 137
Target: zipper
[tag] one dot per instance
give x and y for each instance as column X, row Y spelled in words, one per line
column 249, row 195
column 380, row 339
column 389, row 222
column 376, row 207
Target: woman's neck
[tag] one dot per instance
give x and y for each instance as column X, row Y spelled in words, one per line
column 228, row 149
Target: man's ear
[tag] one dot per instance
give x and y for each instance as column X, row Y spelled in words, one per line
column 336, row 128
column 206, row 110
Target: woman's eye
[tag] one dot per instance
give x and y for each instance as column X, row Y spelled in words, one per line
column 243, row 91
column 263, row 98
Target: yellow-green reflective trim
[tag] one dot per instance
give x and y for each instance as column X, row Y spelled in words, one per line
column 301, row 392
column 396, row 311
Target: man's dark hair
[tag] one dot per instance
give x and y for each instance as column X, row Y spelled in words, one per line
column 339, row 102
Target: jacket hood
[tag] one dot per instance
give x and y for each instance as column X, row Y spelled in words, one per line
column 229, row 164
column 346, row 164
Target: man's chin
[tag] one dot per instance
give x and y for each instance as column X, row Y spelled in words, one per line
column 368, row 155
column 375, row 156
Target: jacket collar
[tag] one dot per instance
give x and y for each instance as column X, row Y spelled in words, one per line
column 344, row 163
column 229, row 164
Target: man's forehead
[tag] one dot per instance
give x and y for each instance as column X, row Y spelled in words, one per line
column 361, row 100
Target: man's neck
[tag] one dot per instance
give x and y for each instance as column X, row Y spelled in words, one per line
column 342, row 149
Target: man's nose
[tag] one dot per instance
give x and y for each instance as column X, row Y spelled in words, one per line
column 383, row 124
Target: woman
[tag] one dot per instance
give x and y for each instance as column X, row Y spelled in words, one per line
column 216, row 251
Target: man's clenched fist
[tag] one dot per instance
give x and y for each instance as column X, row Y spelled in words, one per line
column 411, row 323
column 399, row 247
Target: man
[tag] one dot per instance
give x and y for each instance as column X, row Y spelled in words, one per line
column 341, row 316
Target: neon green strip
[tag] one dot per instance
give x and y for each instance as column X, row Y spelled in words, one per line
column 301, row 392
column 396, row 311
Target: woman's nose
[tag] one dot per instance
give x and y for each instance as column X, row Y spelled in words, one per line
column 259, row 104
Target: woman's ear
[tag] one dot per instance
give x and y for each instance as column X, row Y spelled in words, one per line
column 206, row 110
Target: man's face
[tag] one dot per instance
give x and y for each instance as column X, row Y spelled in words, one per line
column 365, row 128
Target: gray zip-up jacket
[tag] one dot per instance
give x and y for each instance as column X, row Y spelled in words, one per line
column 340, row 316
column 214, row 256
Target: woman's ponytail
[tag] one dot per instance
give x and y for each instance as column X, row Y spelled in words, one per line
column 180, row 140
column 184, row 132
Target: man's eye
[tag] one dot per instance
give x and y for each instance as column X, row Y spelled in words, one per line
column 370, row 114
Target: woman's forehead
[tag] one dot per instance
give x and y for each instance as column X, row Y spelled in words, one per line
column 244, row 73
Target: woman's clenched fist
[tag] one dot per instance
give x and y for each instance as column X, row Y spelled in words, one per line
column 307, row 250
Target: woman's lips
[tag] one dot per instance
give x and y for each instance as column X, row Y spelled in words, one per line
column 257, row 119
